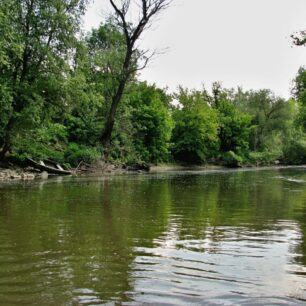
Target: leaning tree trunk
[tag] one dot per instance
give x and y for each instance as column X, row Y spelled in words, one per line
column 7, row 139
column 148, row 9
column 116, row 98
column 109, row 125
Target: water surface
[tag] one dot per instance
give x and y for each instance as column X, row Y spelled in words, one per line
column 179, row 238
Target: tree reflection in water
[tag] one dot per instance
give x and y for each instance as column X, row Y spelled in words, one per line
column 176, row 237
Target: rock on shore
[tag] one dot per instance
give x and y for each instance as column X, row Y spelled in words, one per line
column 18, row 174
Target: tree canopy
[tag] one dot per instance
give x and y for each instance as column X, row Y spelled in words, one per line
column 71, row 97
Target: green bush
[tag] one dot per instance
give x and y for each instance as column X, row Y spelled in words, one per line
column 194, row 137
column 152, row 123
column 294, row 152
column 76, row 153
column 47, row 142
column 234, row 129
column 264, row 158
column 231, row 159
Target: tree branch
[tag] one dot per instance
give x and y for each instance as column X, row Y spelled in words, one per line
column 121, row 14
column 148, row 9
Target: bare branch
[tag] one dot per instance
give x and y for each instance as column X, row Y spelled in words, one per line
column 121, row 14
column 145, row 63
column 148, row 9
column 144, row 8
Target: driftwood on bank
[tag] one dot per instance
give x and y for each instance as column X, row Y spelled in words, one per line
column 106, row 167
column 50, row 167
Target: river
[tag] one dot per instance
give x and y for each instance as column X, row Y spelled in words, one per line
column 233, row 237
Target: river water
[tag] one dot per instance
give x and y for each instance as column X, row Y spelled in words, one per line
column 176, row 238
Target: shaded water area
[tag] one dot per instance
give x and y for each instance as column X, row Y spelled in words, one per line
column 180, row 238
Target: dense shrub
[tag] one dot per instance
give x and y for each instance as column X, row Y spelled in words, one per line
column 46, row 142
column 265, row 157
column 234, row 129
column 152, row 123
column 294, row 152
column 76, row 153
column 194, row 136
column 231, row 159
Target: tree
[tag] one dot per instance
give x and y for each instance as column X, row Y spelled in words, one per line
column 151, row 122
column 270, row 116
column 234, row 129
column 299, row 89
column 234, row 124
column 37, row 42
column 299, row 93
column 195, row 135
column 132, row 55
column 91, row 82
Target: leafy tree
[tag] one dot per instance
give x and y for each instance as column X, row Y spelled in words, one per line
column 85, row 101
column 234, row 125
column 299, row 89
column 271, row 117
column 234, row 130
column 39, row 37
column 294, row 148
column 195, row 135
column 105, row 51
column 130, row 64
column 151, row 121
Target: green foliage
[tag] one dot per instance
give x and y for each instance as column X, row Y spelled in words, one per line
column 106, row 52
column 85, row 104
column 6, row 99
column 234, row 130
column 299, row 92
column 299, row 89
column 76, row 153
column 271, row 116
column 231, row 159
column 50, row 142
column 265, row 157
column 47, row 142
column 122, row 148
column 151, row 122
column 37, row 38
column 56, row 88
column 143, row 129
column 196, row 127
column 301, row 117
column 294, row 152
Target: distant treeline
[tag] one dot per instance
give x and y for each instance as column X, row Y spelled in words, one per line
column 56, row 86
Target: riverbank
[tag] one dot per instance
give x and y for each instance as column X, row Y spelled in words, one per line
column 12, row 172
column 176, row 167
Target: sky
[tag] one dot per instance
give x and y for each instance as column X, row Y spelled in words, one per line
column 237, row 42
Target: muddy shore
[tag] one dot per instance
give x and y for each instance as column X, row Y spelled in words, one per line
column 17, row 173
column 12, row 172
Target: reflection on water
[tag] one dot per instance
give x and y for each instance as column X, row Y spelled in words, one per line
column 232, row 260
column 235, row 237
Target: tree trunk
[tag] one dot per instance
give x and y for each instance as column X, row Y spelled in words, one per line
column 147, row 10
column 6, row 140
column 109, row 125
column 106, row 136
column 4, row 150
